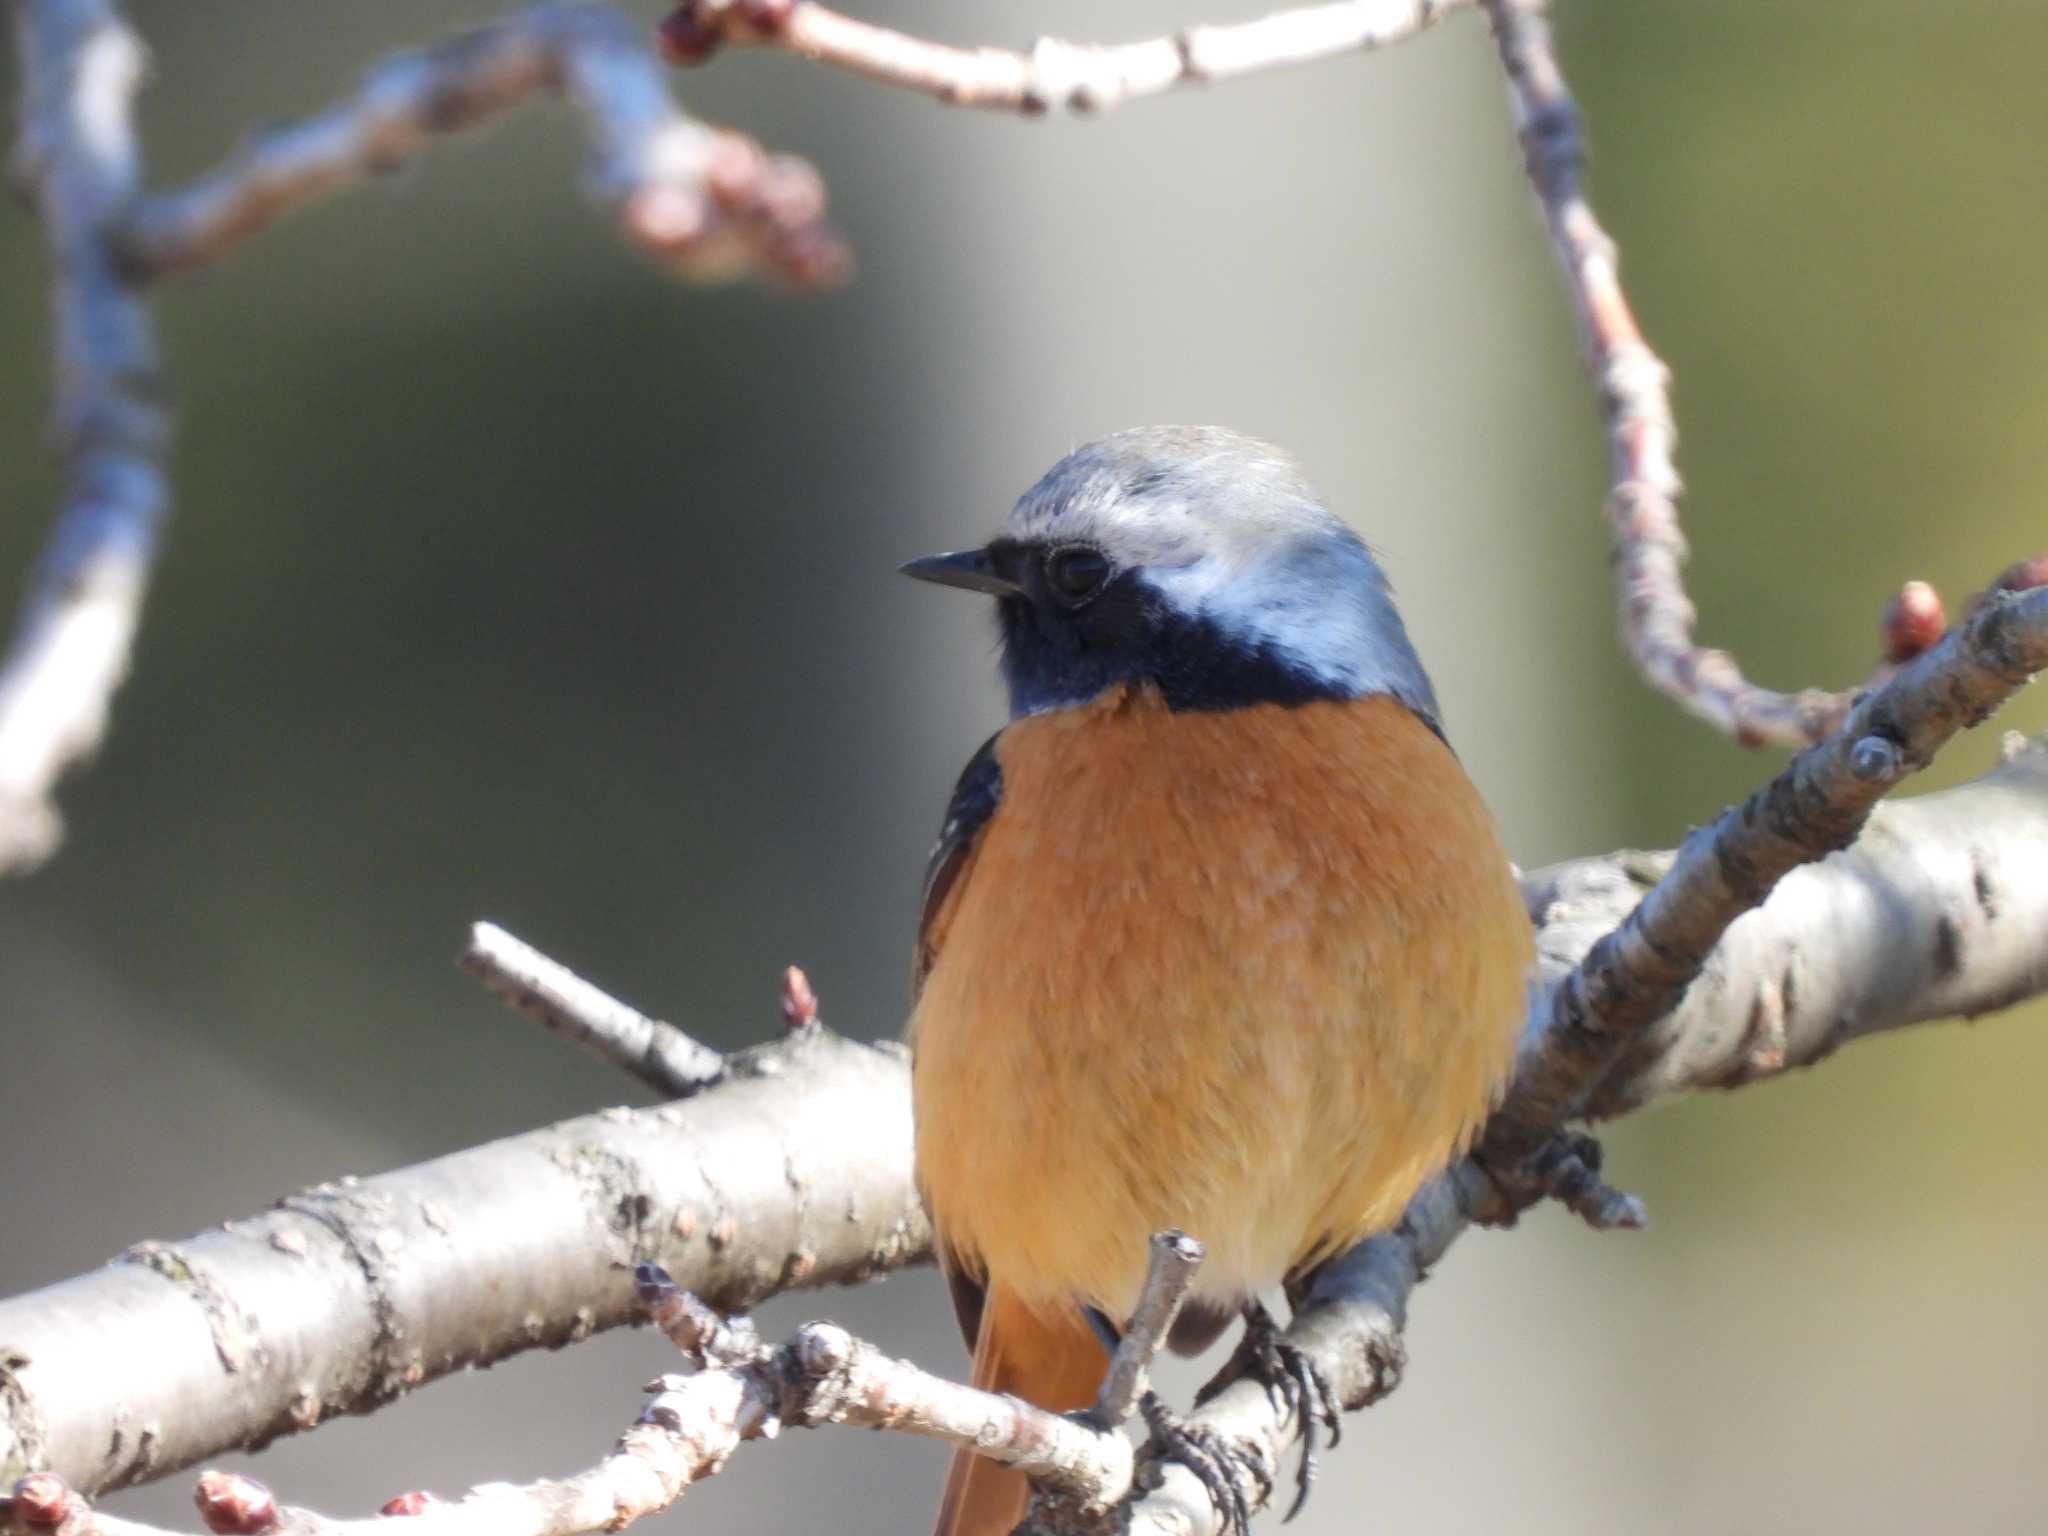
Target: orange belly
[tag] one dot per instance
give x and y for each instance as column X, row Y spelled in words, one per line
column 1252, row 973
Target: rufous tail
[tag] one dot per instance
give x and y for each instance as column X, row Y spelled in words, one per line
column 1055, row 1364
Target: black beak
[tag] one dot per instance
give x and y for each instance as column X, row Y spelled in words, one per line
column 971, row 569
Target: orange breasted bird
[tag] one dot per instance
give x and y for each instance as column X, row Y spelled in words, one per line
column 1217, row 935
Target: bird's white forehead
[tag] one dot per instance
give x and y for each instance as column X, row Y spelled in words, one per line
column 1169, row 496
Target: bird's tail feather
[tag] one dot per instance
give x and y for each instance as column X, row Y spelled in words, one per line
column 1057, row 1364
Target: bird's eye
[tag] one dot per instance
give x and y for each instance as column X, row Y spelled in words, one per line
column 1076, row 573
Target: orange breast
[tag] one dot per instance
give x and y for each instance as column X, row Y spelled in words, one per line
column 1252, row 973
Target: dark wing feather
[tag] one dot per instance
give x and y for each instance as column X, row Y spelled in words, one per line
column 974, row 802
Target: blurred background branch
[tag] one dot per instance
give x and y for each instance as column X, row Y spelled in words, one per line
column 77, row 158
column 707, row 204
column 1055, row 75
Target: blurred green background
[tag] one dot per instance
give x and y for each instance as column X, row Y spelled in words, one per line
column 509, row 579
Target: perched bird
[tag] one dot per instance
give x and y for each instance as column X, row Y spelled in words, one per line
column 1217, row 934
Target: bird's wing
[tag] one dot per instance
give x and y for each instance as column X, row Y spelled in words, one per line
column 974, row 802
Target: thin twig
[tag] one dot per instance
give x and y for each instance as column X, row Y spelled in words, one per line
column 80, row 67
column 659, row 1054
column 1170, row 1271
column 707, row 203
column 1054, row 75
column 824, row 1375
column 1657, row 618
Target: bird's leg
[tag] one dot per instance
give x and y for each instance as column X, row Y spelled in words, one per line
column 1233, row 1473
column 1107, row 1334
column 1293, row 1384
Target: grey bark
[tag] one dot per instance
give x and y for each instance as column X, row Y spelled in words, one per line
column 793, row 1172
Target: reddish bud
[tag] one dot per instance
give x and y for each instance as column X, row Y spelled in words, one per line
column 815, row 258
column 683, row 39
column 799, row 1002
column 766, row 15
column 792, row 193
column 234, row 1505
column 414, row 1503
column 666, row 218
column 733, row 172
column 2020, row 576
column 2023, row 575
column 1912, row 622
column 41, row 1499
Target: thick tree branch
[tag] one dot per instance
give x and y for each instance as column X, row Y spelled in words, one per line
column 1054, row 75
column 1637, row 973
column 793, row 1172
column 1938, row 911
column 733, row 1389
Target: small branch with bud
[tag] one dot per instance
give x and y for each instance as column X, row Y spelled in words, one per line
column 658, row 1054
column 1657, row 617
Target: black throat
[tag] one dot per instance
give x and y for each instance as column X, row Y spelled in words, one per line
column 1054, row 659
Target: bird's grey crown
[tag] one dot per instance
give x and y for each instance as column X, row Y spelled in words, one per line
column 1229, row 533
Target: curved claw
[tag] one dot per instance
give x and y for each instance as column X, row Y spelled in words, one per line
column 1236, row 1476
column 1293, row 1384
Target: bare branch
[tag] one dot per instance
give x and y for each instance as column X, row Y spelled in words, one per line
column 658, row 1054
column 1169, row 1274
column 80, row 66
column 1831, row 957
column 1054, row 75
column 794, row 1171
column 1638, row 972
column 1657, row 618
column 824, row 1375
column 706, row 203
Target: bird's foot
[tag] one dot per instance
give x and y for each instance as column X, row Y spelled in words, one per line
column 1293, row 1384
column 1235, row 1475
